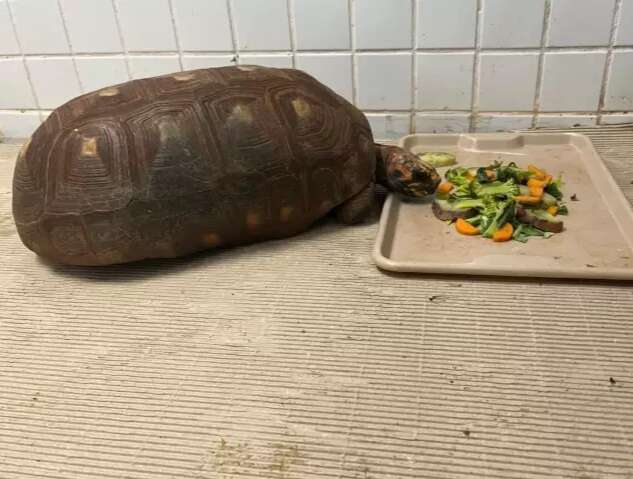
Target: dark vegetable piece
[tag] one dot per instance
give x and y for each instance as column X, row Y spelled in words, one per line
column 539, row 219
column 445, row 211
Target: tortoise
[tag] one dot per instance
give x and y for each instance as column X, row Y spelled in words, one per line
column 171, row 165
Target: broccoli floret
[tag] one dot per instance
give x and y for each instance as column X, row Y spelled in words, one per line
column 458, row 176
column 495, row 215
column 463, row 191
column 509, row 189
column 511, row 171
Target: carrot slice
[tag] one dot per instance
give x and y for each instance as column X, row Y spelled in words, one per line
column 537, row 172
column 537, row 183
column 464, row 227
column 503, row 234
column 536, row 191
column 445, row 187
column 528, row 200
column 552, row 210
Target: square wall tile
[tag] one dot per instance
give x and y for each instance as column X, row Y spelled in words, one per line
column 446, row 23
column 571, row 81
column 383, row 24
column 283, row 60
column 616, row 119
column 18, row 125
column 507, row 81
column 580, row 22
column 39, row 26
column 512, row 23
column 261, row 24
column 8, row 43
column 442, row 122
column 100, row 72
column 15, row 91
column 311, row 17
column 384, row 81
column 625, row 27
column 564, row 121
column 150, row 66
column 389, row 127
column 203, row 25
column 619, row 94
column 146, row 25
column 444, row 81
column 335, row 71
column 91, row 26
column 194, row 62
column 495, row 123
column 54, row 80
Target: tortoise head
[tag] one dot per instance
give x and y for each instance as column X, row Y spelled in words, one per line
column 404, row 173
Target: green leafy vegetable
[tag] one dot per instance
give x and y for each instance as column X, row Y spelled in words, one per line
column 467, row 203
column 549, row 200
column 555, row 188
column 438, row 159
column 511, row 170
column 523, row 232
column 509, row 188
column 475, row 220
column 483, row 177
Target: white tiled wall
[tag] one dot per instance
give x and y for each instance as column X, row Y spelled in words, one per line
column 411, row 65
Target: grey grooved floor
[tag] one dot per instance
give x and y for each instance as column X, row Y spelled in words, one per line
column 298, row 358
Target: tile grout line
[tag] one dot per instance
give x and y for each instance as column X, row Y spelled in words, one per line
column 474, row 100
column 27, row 70
column 414, row 64
column 70, row 46
column 233, row 30
column 290, row 8
column 420, row 111
column 352, row 40
column 540, row 72
column 608, row 64
column 172, row 16
column 119, row 29
column 366, row 51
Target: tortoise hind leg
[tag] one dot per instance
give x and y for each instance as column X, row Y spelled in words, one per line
column 358, row 207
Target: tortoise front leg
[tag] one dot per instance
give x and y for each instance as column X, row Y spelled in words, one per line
column 358, row 207
column 402, row 172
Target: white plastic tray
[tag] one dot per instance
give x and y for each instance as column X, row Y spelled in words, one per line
column 597, row 242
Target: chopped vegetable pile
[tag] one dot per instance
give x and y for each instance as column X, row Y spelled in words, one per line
column 502, row 202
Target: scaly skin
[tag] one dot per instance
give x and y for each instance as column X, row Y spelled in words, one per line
column 402, row 172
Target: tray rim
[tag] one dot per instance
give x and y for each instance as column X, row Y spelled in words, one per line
column 393, row 200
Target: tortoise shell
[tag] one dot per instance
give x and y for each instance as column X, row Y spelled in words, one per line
column 170, row 165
